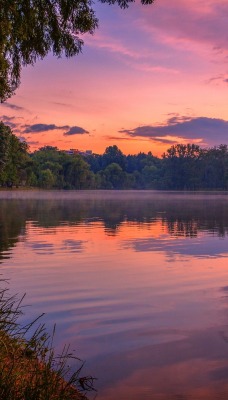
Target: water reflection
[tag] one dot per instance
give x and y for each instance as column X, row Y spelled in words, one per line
column 180, row 216
column 136, row 282
column 177, row 369
column 203, row 247
column 12, row 227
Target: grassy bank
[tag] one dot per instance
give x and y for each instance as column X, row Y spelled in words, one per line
column 29, row 368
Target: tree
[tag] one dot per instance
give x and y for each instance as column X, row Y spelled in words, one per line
column 51, row 158
column 13, row 157
column 111, row 155
column 46, row 179
column 78, row 174
column 182, row 166
column 183, row 151
column 5, row 134
column 114, row 176
column 215, row 167
column 30, row 29
column 149, row 174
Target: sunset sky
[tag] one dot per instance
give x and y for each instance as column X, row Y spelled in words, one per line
column 150, row 76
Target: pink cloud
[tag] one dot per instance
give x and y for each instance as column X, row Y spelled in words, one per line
column 190, row 21
column 113, row 45
column 140, row 60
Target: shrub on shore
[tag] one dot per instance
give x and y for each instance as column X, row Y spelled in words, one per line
column 29, row 368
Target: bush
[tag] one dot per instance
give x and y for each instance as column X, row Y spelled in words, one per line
column 29, row 368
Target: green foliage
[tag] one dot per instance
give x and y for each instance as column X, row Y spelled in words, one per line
column 29, row 367
column 46, row 179
column 149, row 174
column 182, row 167
column 30, row 29
column 5, row 134
column 78, row 173
column 49, row 158
column 125, row 3
column 215, row 173
column 54, row 168
column 13, row 158
column 111, row 155
column 114, row 175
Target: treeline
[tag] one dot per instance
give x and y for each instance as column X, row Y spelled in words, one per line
column 182, row 167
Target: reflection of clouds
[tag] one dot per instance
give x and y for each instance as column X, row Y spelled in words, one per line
column 220, row 373
column 68, row 245
column 41, row 247
column 72, row 246
column 202, row 247
column 181, row 369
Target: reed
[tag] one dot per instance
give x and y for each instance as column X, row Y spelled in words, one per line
column 29, row 367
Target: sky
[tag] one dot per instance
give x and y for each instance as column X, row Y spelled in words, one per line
column 150, row 77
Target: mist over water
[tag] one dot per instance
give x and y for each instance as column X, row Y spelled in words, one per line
column 136, row 281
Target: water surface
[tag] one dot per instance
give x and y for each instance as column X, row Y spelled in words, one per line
column 137, row 282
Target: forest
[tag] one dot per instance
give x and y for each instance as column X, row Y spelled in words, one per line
column 181, row 167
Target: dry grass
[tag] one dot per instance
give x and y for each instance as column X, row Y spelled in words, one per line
column 29, row 368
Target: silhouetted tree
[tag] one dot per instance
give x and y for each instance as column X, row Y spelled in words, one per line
column 215, row 168
column 111, row 155
column 30, row 29
column 182, row 166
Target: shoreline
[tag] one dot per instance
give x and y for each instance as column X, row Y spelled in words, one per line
column 29, row 368
column 104, row 194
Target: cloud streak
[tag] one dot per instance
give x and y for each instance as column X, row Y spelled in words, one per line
column 10, row 121
column 189, row 22
column 69, row 130
column 12, row 106
column 37, row 128
column 124, row 138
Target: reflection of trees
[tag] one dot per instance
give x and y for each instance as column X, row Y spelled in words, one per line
column 183, row 228
column 180, row 215
column 12, row 225
column 191, row 217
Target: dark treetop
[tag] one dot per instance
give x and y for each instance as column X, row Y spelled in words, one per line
column 182, row 167
column 30, row 29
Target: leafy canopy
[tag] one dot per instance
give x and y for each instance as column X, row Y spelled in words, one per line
column 13, row 156
column 30, row 29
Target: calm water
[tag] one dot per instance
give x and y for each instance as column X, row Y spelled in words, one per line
column 137, row 282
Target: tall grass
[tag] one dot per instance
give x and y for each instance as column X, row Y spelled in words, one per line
column 29, row 367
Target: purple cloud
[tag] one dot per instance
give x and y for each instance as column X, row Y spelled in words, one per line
column 190, row 22
column 12, row 106
column 75, row 130
column 211, row 131
column 37, row 128
column 10, row 121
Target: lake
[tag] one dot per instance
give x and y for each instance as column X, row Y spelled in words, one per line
column 137, row 283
